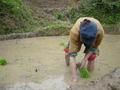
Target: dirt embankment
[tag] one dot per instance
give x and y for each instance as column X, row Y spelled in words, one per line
column 42, row 10
column 49, row 3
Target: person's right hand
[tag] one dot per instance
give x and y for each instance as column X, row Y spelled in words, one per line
column 83, row 63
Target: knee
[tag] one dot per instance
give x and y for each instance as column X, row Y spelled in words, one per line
column 90, row 66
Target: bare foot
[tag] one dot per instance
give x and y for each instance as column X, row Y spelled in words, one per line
column 74, row 80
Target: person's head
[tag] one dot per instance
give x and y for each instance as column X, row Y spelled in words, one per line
column 88, row 31
column 86, row 21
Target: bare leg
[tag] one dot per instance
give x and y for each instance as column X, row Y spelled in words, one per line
column 90, row 66
column 73, row 68
column 91, row 61
column 67, row 59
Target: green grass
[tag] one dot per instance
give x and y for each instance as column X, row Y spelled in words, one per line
column 58, row 14
column 3, row 61
column 15, row 17
column 108, row 12
column 55, row 28
column 57, row 25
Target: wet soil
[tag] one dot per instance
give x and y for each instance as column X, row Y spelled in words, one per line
column 38, row 64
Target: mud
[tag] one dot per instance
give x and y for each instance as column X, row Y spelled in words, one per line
column 38, row 64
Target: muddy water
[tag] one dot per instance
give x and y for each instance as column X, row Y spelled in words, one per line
column 38, row 63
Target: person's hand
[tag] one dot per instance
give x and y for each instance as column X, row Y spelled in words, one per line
column 85, row 59
column 83, row 63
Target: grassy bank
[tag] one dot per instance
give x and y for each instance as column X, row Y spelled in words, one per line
column 15, row 17
column 106, row 11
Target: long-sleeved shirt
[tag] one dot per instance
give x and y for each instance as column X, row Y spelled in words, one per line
column 75, row 40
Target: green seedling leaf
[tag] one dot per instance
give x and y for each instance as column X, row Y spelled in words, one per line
column 84, row 73
column 3, row 61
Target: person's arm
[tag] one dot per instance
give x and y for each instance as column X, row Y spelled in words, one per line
column 74, row 47
column 87, row 55
column 98, row 39
column 74, row 44
column 85, row 59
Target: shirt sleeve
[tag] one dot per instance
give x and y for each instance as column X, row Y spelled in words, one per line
column 75, row 43
column 98, row 40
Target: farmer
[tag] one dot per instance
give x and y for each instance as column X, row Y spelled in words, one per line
column 89, row 32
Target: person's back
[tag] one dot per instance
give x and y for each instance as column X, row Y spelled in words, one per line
column 75, row 33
